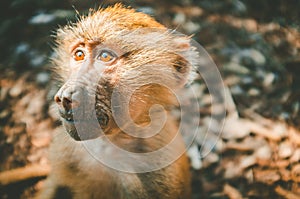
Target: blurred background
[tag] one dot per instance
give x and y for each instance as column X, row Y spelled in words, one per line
column 255, row 44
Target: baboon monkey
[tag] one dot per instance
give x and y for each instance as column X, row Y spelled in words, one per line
column 121, row 71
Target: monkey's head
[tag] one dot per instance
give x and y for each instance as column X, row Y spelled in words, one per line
column 117, row 61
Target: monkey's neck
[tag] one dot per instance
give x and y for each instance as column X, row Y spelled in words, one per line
column 121, row 148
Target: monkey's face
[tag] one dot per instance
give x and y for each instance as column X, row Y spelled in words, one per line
column 115, row 73
column 85, row 98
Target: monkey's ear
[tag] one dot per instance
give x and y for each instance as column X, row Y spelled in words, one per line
column 182, row 43
column 187, row 58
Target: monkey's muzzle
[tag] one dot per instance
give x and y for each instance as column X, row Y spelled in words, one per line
column 78, row 112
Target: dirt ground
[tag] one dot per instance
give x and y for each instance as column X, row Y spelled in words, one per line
column 255, row 45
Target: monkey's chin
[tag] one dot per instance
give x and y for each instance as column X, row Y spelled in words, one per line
column 80, row 130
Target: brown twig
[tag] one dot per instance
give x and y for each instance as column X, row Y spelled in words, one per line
column 24, row 173
column 232, row 192
column 286, row 194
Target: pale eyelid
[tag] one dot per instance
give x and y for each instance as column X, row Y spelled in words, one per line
column 76, row 45
column 110, row 52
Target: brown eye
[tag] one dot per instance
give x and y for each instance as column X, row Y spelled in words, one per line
column 106, row 56
column 79, row 55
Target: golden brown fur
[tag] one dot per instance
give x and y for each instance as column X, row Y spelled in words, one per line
column 152, row 65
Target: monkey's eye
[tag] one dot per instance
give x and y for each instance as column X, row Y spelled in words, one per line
column 106, row 56
column 78, row 55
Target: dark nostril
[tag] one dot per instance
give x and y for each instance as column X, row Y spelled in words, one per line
column 67, row 103
column 67, row 98
column 57, row 99
column 64, row 101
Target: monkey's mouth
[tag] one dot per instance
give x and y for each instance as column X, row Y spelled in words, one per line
column 82, row 126
column 68, row 116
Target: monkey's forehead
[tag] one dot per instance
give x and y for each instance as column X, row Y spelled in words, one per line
column 108, row 23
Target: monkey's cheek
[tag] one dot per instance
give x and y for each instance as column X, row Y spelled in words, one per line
column 71, row 130
column 103, row 119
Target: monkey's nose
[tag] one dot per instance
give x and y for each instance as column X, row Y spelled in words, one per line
column 66, row 99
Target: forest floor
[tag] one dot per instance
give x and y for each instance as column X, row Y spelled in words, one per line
column 258, row 54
